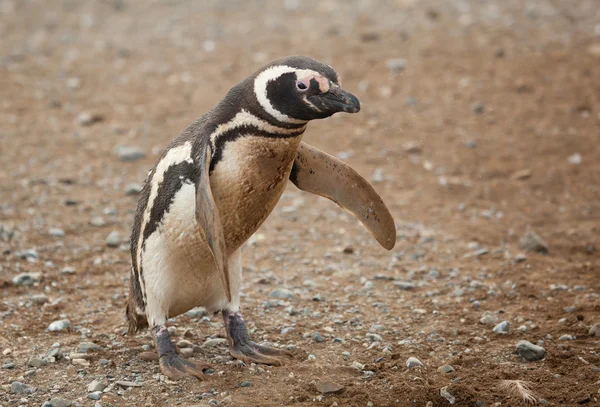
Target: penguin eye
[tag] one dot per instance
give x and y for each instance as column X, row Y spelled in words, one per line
column 301, row 85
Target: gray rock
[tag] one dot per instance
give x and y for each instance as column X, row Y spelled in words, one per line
column 566, row 338
column 595, row 330
column 35, row 361
column 502, row 328
column 210, row 343
column 377, row 177
column 196, row 312
column 529, row 351
column 21, row 388
column 446, row 369
column 396, row 64
column 329, row 387
column 129, row 153
column 84, row 347
column 27, row 278
column 133, row 188
column 404, row 285
column 97, row 221
column 520, row 258
column 56, row 232
column 97, row 395
column 59, row 402
column 488, row 318
column 447, row 395
column 413, row 362
column 478, row 108
column 97, row 385
column 126, row 384
column 30, row 254
column 246, row 384
column 60, row 325
column 113, row 239
column 316, row 337
column 287, row 330
column 8, row 365
column 281, row 293
column 87, row 118
column 532, row 242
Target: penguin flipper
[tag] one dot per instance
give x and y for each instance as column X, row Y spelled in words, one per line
column 207, row 216
column 322, row 174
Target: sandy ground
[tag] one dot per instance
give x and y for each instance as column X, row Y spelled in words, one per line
column 487, row 131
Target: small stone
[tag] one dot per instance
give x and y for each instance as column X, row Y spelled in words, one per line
column 246, row 384
column 149, row 356
column 488, row 318
column 196, row 312
column 447, row 395
column 396, row 64
column 287, row 330
column 413, row 362
column 27, row 278
column 377, row 176
column 68, row 270
column 186, row 352
column 210, row 343
column 471, row 143
column 183, row 343
column 80, row 362
column 404, row 285
column 317, row 337
column 529, row 351
column 126, row 384
column 113, row 239
column 87, row 118
column 59, row 402
column 446, row 369
column 97, row 395
column 575, row 159
column 8, row 365
column 97, row 221
column 595, row 330
column 60, row 325
column 133, row 189
column 329, row 387
column 97, row 385
column 34, row 361
column 521, row 174
column 502, row 328
column 282, row 293
column 84, row 347
column 478, row 108
column 520, row 258
column 566, row 338
column 129, row 153
column 311, row 358
column 7, row 351
column 532, row 242
column 39, row 299
column 21, row 388
column 56, row 232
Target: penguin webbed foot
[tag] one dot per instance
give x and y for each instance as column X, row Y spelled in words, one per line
column 173, row 365
column 243, row 348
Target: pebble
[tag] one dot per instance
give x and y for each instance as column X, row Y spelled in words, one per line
column 520, row 258
column 59, row 402
column 282, row 293
column 478, row 108
column 575, row 159
column 246, row 384
column 30, row 254
column 532, row 242
column 84, row 347
column 113, row 239
column 329, row 387
column 80, row 362
column 566, row 338
column 21, row 388
column 446, row 369
column 56, row 232
column 316, row 337
column 35, row 361
column 529, row 351
column 396, row 64
column 7, row 351
column 8, row 365
column 149, row 356
column 595, row 330
column 196, row 312
column 186, row 352
column 97, row 395
column 97, row 221
column 27, row 278
column 129, row 153
column 502, row 328
column 87, row 118
column 39, row 299
column 60, row 325
column 97, row 385
column 210, row 343
column 404, row 285
column 377, row 177
column 183, row 343
column 133, row 188
column 126, row 384
column 287, row 330
column 488, row 318
column 413, row 362
column 447, row 395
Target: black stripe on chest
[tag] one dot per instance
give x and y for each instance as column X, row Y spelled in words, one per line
column 244, row 131
column 174, row 178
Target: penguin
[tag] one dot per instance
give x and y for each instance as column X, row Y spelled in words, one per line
column 213, row 187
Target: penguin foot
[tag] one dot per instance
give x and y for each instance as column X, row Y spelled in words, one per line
column 175, row 367
column 243, row 348
column 171, row 364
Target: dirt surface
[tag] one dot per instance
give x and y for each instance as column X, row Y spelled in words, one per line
column 488, row 130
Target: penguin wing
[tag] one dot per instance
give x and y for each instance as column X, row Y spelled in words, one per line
column 207, row 216
column 322, row 174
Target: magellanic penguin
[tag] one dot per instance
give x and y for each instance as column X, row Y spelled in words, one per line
column 215, row 185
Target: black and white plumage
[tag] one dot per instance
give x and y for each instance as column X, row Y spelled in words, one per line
column 215, row 185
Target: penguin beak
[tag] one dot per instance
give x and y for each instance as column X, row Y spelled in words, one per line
column 336, row 100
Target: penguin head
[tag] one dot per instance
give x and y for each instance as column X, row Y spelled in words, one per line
column 299, row 89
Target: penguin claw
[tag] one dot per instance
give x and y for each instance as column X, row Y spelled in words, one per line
column 254, row 353
column 175, row 367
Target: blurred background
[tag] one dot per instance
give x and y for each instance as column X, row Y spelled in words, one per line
column 479, row 127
